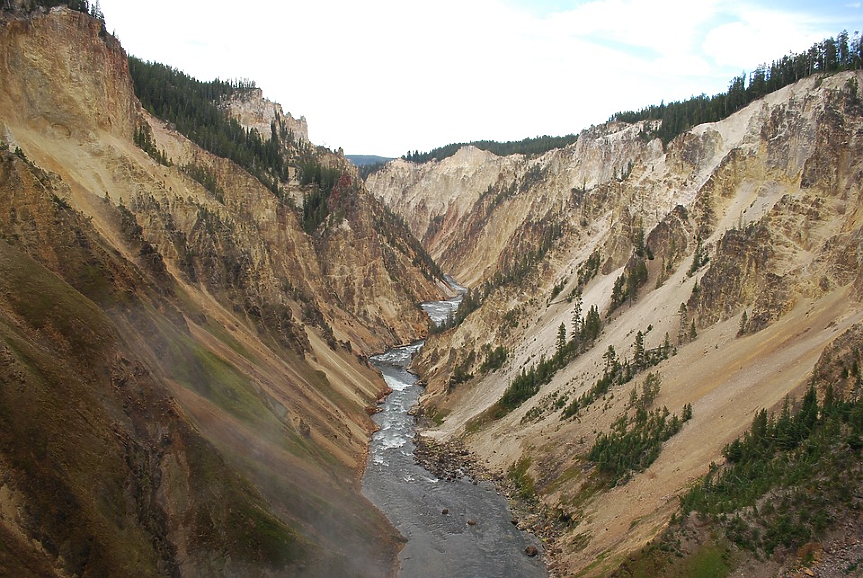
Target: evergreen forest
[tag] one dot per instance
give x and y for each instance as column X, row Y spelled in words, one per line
column 84, row 6
column 191, row 105
column 785, row 482
column 193, row 108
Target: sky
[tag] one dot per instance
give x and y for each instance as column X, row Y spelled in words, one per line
column 385, row 77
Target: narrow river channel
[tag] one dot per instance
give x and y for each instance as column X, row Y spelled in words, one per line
column 438, row 544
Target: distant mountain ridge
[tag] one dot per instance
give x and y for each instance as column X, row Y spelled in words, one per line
column 363, row 160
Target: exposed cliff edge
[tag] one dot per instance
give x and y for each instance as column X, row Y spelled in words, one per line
column 252, row 110
column 183, row 370
column 725, row 263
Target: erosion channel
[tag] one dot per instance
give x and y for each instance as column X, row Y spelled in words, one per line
column 453, row 528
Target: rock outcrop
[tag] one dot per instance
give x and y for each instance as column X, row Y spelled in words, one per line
column 253, row 111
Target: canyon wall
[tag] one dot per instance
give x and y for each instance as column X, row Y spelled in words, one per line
column 184, row 371
column 734, row 249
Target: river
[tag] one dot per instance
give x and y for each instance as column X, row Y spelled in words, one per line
column 438, row 544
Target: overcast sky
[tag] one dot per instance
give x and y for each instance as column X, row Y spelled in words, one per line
column 387, row 76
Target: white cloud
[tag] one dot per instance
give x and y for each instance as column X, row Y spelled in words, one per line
column 664, row 26
column 758, row 35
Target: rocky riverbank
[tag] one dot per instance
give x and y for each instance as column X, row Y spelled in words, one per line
column 451, row 461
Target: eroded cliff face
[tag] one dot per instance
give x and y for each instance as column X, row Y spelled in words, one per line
column 204, row 354
column 252, row 110
column 31, row 65
column 251, row 247
column 737, row 245
column 499, row 202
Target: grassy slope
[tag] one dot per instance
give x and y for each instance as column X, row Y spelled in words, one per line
column 81, row 443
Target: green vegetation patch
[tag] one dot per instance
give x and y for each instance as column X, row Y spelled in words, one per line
column 523, row 481
column 633, row 443
column 212, row 377
column 479, row 421
column 143, row 137
column 712, row 559
column 51, row 305
column 436, row 415
column 192, row 107
column 787, row 481
column 316, row 201
column 788, row 477
column 494, row 358
column 527, row 383
column 617, row 373
column 206, row 178
column 231, row 516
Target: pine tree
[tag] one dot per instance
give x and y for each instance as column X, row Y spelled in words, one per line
column 561, row 340
column 687, row 412
column 699, row 258
column 576, row 317
column 96, row 12
column 638, row 241
column 618, row 293
column 681, row 332
column 638, row 356
column 650, row 389
column 610, row 357
column 592, row 324
column 637, row 277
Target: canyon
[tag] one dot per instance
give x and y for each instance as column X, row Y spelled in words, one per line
column 185, row 354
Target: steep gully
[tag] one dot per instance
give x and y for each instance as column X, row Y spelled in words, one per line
column 460, row 527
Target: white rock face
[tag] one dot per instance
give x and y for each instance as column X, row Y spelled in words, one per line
column 252, row 110
column 467, row 209
column 453, row 185
column 490, row 200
